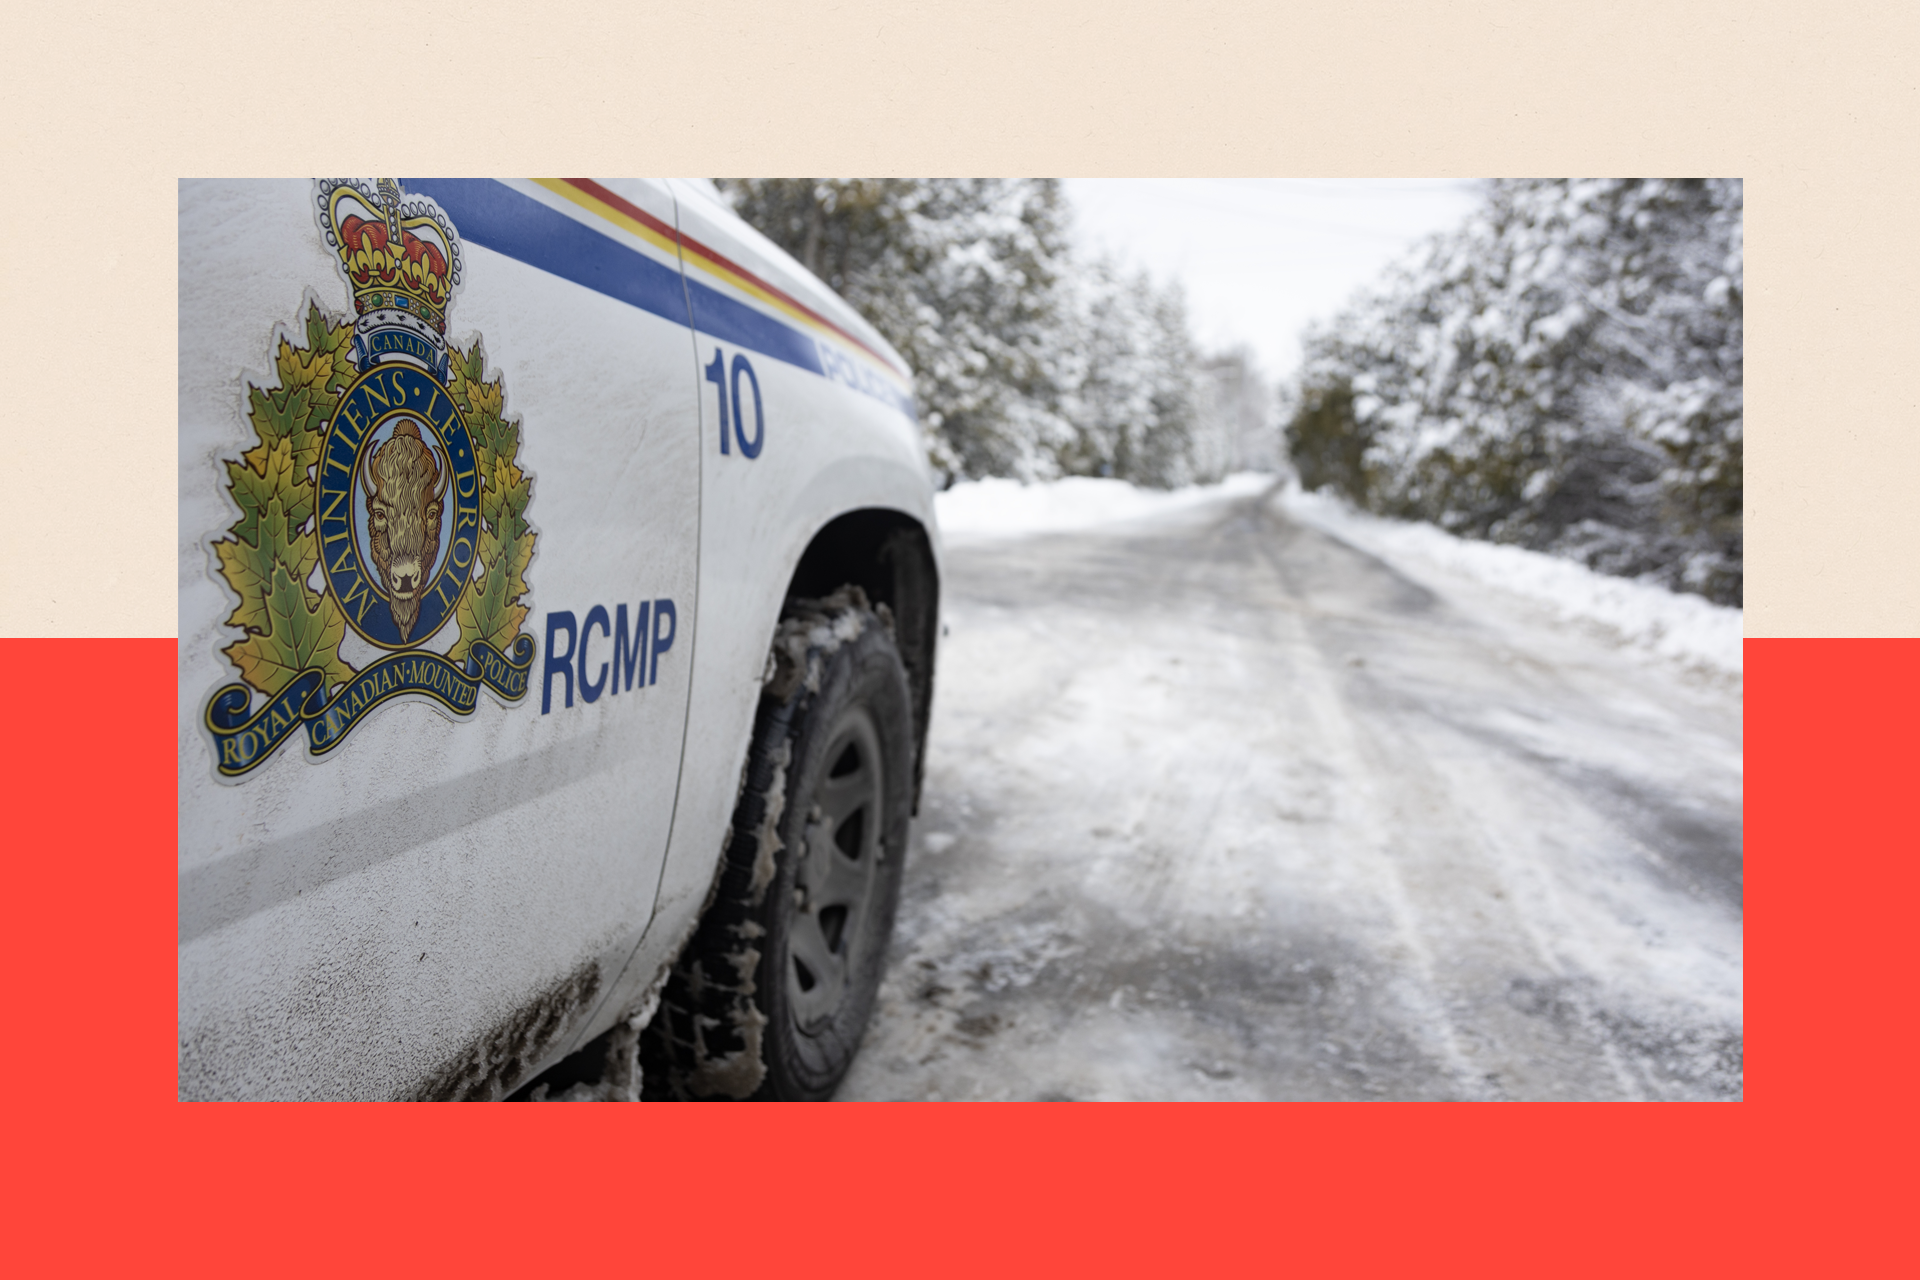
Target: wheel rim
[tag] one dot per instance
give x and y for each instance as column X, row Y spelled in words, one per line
column 834, row 874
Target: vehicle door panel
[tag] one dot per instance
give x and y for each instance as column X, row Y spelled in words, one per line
column 439, row 899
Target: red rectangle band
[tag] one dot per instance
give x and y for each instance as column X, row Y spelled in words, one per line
column 111, row 1175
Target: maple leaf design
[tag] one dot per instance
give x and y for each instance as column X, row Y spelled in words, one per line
column 275, row 480
column 492, row 610
column 270, row 551
column 304, row 630
column 489, row 611
column 519, row 556
column 248, row 565
column 504, row 498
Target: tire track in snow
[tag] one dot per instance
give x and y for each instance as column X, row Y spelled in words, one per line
column 1176, row 843
column 1372, row 837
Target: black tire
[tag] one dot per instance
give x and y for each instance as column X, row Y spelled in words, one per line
column 770, row 997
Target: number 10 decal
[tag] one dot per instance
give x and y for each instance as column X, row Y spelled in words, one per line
column 717, row 375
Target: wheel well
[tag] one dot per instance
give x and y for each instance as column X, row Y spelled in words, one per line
column 887, row 555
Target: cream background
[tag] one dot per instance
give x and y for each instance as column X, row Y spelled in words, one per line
column 106, row 106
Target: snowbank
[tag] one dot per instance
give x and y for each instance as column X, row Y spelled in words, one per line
column 1685, row 628
column 976, row 510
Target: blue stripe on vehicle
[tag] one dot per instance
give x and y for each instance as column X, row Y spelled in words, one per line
column 730, row 320
column 717, row 315
column 513, row 223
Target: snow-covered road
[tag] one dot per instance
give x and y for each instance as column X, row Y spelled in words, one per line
column 1220, row 806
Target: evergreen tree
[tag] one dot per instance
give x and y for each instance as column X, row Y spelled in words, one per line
column 1242, row 429
column 1132, row 380
column 961, row 277
column 1025, row 363
column 1563, row 373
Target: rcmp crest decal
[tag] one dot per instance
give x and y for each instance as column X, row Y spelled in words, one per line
column 382, row 507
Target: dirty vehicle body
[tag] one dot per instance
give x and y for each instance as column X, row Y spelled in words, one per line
column 558, row 568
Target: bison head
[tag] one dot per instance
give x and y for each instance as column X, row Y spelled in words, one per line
column 404, row 484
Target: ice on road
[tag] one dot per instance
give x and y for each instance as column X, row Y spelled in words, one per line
column 1253, row 798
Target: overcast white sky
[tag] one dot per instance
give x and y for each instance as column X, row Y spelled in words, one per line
column 1261, row 257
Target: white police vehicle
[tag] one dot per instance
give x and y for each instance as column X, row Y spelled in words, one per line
column 558, row 595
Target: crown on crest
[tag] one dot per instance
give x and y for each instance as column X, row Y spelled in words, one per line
column 401, row 258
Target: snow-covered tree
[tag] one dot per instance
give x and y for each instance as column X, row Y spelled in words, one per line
column 1239, row 408
column 1563, row 373
column 1129, row 377
column 1025, row 362
column 962, row 277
